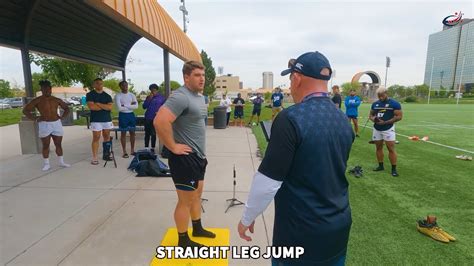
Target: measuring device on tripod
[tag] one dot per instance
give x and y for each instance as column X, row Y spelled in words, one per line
column 233, row 201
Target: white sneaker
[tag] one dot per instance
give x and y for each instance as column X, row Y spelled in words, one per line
column 46, row 167
column 65, row 165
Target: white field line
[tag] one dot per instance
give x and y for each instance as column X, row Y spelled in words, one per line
column 435, row 143
column 447, row 125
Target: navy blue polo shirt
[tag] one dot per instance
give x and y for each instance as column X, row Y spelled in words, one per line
column 104, row 98
column 385, row 110
column 308, row 150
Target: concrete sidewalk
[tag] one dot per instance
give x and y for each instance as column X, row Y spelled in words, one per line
column 91, row 215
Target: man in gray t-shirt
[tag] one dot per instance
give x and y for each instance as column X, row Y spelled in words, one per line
column 190, row 110
column 180, row 126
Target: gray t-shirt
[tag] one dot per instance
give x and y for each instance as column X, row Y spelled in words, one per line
column 190, row 111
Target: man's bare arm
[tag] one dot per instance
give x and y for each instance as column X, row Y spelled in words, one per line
column 64, row 107
column 93, row 106
column 105, row 106
column 372, row 115
column 29, row 108
column 398, row 115
column 163, row 121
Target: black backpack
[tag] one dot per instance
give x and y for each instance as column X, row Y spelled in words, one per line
column 146, row 163
column 152, row 167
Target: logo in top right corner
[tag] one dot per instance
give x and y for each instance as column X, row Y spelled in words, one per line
column 453, row 20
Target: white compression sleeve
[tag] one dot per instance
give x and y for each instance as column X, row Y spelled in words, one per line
column 262, row 192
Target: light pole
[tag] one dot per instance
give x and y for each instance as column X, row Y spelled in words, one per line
column 442, row 75
column 387, row 65
column 185, row 14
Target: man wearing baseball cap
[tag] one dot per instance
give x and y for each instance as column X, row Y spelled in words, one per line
column 304, row 170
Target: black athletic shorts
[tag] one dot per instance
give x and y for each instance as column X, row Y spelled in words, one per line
column 187, row 170
column 256, row 111
column 238, row 114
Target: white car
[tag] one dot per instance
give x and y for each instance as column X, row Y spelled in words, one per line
column 14, row 102
column 4, row 104
column 72, row 102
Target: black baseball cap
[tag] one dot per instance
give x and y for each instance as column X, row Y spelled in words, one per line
column 309, row 64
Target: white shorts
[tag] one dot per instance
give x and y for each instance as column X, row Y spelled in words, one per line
column 50, row 128
column 387, row 135
column 99, row 126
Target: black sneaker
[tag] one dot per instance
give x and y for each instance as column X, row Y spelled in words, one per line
column 357, row 171
column 394, row 173
column 380, row 168
column 357, row 135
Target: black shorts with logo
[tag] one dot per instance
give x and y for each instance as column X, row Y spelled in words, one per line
column 187, row 170
column 256, row 111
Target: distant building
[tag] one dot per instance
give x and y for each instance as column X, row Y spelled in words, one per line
column 267, row 80
column 227, row 83
column 450, row 57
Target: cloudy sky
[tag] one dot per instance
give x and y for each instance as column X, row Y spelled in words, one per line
column 250, row 37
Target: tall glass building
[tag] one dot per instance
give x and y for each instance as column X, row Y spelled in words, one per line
column 450, row 58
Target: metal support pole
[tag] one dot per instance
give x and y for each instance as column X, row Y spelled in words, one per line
column 431, row 79
column 166, row 62
column 460, row 79
column 386, row 71
column 27, row 72
column 124, row 76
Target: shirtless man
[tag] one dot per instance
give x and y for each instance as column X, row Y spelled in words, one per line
column 49, row 122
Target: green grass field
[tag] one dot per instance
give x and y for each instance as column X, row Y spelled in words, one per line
column 431, row 181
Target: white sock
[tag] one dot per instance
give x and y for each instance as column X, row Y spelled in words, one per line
column 46, row 166
column 62, row 163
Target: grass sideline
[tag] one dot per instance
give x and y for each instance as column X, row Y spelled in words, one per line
column 13, row 116
column 431, row 181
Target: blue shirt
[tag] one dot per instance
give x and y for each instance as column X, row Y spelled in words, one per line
column 385, row 111
column 308, row 150
column 152, row 105
column 83, row 100
column 277, row 98
column 104, row 98
column 352, row 104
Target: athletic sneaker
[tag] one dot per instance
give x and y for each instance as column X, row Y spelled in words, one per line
column 394, row 173
column 430, row 228
column 379, row 168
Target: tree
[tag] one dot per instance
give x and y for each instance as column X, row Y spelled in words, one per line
column 173, row 86
column 112, row 84
column 267, row 96
column 63, row 72
column 348, row 86
column 35, row 79
column 17, row 92
column 396, row 91
column 5, row 90
column 209, row 87
column 422, row 90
